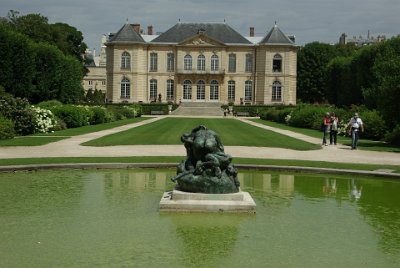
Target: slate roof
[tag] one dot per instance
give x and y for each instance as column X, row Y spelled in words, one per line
column 276, row 37
column 126, row 35
column 218, row 31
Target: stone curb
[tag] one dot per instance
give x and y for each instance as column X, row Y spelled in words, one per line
column 15, row 168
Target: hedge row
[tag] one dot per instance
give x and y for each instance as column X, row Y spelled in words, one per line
column 18, row 117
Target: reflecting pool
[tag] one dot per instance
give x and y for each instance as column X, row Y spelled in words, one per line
column 110, row 218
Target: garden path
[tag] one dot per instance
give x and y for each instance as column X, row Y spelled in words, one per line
column 71, row 148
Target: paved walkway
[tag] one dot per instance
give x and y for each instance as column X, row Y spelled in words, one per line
column 71, row 148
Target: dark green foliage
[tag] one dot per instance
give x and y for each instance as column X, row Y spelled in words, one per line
column 147, row 108
column 393, row 137
column 49, row 104
column 308, row 116
column 6, row 128
column 124, row 111
column 275, row 114
column 312, row 61
column 19, row 111
column 253, row 110
column 374, row 125
column 384, row 94
column 33, row 67
column 73, row 116
column 17, row 62
column 95, row 97
column 100, row 115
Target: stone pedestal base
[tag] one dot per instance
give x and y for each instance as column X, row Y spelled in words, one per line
column 194, row 202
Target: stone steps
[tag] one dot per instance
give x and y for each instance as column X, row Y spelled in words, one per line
column 199, row 109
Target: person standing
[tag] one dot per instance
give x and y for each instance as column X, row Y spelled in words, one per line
column 356, row 125
column 325, row 128
column 334, row 129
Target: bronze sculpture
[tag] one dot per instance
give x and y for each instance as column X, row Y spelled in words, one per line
column 207, row 169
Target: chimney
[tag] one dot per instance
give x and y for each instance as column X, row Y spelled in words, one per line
column 251, row 31
column 150, row 30
column 136, row 27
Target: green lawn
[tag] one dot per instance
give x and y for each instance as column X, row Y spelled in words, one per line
column 363, row 144
column 42, row 139
column 231, row 131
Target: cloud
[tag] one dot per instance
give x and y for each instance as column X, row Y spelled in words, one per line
column 309, row 20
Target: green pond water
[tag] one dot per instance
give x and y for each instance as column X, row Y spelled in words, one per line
column 110, row 218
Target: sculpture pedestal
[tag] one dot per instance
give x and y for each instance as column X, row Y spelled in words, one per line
column 196, row 202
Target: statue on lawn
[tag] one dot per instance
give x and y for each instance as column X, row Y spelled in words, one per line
column 207, row 169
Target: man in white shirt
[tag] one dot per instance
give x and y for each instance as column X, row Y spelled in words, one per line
column 356, row 125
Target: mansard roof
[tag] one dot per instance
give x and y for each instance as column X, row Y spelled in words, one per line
column 218, row 31
column 276, row 37
column 127, row 34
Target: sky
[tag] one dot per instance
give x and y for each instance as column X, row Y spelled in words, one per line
column 308, row 20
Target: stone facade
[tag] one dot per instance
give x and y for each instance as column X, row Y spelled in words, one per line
column 95, row 79
column 200, row 63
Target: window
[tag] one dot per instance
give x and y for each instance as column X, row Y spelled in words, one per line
column 153, row 89
column 249, row 63
column 214, row 63
column 170, row 62
column 103, row 83
column 248, row 90
column 125, row 60
column 214, row 90
column 232, row 63
column 153, row 62
column 170, row 89
column 277, row 64
column 276, row 91
column 90, row 82
column 201, row 63
column 201, row 90
column 231, row 91
column 187, row 90
column 187, row 63
column 125, row 88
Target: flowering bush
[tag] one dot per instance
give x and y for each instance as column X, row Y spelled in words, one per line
column 44, row 120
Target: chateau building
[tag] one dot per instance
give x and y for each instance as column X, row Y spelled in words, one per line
column 200, row 62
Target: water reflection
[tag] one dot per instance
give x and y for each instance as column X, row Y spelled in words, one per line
column 95, row 214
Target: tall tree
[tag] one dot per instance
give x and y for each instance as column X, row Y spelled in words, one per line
column 312, row 62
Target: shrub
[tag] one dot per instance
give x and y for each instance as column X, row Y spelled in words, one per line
column 45, row 121
column 125, row 111
column 6, row 129
column 374, row 125
column 280, row 115
column 308, row 116
column 19, row 111
column 49, row 104
column 393, row 137
column 72, row 115
column 100, row 115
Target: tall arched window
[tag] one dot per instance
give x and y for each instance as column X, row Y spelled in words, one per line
column 277, row 63
column 125, row 88
column 201, row 63
column 214, row 90
column 170, row 89
column 276, row 91
column 187, row 90
column 231, row 91
column 248, row 90
column 201, row 90
column 125, row 60
column 153, row 89
column 187, row 63
column 214, row 63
